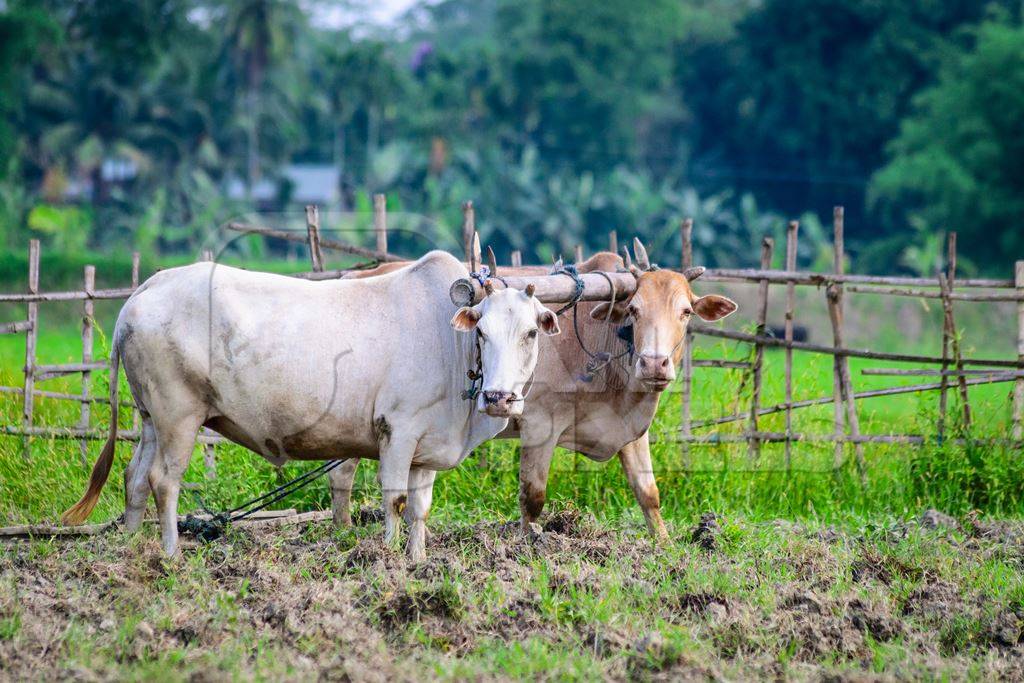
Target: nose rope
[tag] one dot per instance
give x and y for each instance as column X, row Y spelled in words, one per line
column 475, row 375
column 600, row 359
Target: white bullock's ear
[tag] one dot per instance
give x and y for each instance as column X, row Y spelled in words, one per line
column 600, row 312
column 548, row 322
column 465, row 319
column 713, row 307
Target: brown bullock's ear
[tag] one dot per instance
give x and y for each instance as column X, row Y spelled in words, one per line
column 465, row 319
column 713, row 307
column 600, row 312
column 548, row 322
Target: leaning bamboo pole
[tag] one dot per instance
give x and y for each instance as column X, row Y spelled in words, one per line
column 852, row 353
column 843, row 386
column 289, row 236
column 994, row 378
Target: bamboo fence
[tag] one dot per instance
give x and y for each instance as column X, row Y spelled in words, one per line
column 951, row 367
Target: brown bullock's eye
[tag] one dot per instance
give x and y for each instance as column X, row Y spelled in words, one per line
column 687, row 313
column 632, row 310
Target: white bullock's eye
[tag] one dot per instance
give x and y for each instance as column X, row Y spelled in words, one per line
column 532, row 334
column 481, row 334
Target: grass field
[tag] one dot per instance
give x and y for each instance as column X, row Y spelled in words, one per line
column 814, row 572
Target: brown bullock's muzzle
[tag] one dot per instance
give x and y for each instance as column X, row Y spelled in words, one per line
column 655, row 372
column 499, row 403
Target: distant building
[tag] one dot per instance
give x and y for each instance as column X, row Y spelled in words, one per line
column 295, row 184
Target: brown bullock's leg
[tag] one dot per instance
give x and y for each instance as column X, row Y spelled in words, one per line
column 636, row 462
column 176, row 437
column 136, row 477
column 534, row 465
column 342, row 478
column 421, row 493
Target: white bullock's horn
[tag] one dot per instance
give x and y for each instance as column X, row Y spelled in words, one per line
column 530, row 289
column 641, row 254
column 488, row 287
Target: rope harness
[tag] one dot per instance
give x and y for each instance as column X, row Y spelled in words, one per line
column 213, row 528
column 600, row 359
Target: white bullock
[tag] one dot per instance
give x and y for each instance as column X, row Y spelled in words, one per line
column 294, row 369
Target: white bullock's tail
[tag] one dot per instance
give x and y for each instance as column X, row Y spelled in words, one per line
column 80, row 511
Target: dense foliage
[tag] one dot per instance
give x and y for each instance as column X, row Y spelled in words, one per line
column 125, row 122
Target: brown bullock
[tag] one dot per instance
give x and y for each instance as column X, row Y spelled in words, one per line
column 604, row 411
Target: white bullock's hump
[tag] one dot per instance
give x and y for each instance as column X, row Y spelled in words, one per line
column 436, row 267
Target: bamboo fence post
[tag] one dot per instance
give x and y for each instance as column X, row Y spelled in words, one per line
column 686, row 395
column 517, row 259
column 468, row 230
column 579, row 253
column 950, row 334
column 943, row 395
column 792, row 234
column 842, row 385
column 686, row 235
column 613, row 242
column 136, row 260
column 380, row 221
column 209, row 456
column 30, row 344
column 1018, row 388
column 316, row 255
column 754, row 444
column 88, row 314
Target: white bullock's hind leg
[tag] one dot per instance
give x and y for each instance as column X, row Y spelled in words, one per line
column 636, row 462
column 175, row 438
column 395, row 460
column 421, row 493
column 341, row 479
column 136, row 477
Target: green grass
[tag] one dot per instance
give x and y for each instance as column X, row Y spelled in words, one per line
column 597, row 601
column 851, row 590
column 899, row 480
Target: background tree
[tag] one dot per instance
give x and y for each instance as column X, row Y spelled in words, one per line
column 958, row 162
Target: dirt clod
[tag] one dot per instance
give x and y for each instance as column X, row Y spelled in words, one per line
column 707, row 531
column 933, row 519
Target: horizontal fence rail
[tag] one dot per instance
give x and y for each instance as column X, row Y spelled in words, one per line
column 952, row 372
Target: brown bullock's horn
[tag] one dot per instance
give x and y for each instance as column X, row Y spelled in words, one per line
column 488, row 287
column 530, row 289
column 641, row 254
column 693, row 272
column 492, row 263
column 625, row 257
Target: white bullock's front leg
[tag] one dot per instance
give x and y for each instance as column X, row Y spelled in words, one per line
column 395, row 459
column 421, row 493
